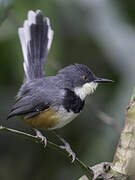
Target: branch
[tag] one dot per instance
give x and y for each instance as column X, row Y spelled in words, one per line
column 123, row 166
column 124, row 160
column 78, row 163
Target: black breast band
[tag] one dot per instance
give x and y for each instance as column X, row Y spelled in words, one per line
column 72, row 102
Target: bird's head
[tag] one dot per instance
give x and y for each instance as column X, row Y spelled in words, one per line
column 81, row 79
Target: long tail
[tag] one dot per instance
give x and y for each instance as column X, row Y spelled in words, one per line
column 36, row 37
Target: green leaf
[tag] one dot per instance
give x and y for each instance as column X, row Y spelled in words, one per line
column 5, row 6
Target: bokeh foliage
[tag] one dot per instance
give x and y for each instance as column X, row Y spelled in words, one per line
column 92, row 139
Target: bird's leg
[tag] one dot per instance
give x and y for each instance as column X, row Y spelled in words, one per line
column 66, row 146
column 43, row 138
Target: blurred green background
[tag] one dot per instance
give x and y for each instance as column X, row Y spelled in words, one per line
column 98, row 33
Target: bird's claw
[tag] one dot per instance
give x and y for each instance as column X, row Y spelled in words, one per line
column 69, row 150
column 66, row 146
column 43, row 138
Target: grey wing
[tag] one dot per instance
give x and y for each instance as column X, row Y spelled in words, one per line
column 36, row 97
column 28, row 107
column 29, row 101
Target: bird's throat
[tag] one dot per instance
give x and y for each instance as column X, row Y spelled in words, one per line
column 86, row 89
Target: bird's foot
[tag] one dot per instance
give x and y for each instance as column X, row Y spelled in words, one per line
column 67, row 147
column 43, row 138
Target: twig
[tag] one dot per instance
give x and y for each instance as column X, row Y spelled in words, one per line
column 108, row 120
column 105, row 118
column 78, row 163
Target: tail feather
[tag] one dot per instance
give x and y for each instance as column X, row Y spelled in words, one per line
column 36, row 37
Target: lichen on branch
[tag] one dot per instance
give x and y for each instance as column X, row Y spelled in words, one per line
column 124, row 159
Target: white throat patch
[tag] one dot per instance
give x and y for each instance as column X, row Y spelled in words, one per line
column 86, row 89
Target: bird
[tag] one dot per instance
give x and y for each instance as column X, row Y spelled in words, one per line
column 49, row 102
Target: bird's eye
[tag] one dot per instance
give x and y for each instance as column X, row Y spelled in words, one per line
column 84, row 78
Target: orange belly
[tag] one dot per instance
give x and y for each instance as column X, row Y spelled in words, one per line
column 45, row 120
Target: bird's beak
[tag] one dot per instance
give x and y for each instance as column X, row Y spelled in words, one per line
column 102, row 80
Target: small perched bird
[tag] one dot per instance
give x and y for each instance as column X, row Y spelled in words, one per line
column 49, row 103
